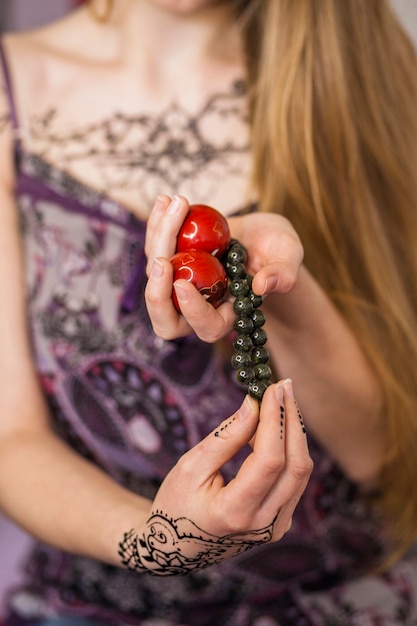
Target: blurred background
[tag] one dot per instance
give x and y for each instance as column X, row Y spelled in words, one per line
column 21, row 14
column 25, row 14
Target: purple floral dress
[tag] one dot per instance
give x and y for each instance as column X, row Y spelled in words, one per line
column 133, row 404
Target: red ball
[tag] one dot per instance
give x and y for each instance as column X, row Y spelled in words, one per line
column 204, row 271
column 204, row 228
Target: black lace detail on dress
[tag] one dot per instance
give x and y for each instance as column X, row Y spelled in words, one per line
column 151, row 151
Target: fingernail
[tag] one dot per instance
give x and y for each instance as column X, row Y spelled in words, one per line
column 247, row 408
column 181, row 293
column 270, row 284
column 288, row 387
column 159, row 204
column 157, row 269
column 279, row 393
column 174, row 205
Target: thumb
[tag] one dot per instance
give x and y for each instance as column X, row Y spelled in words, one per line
column 278, row 277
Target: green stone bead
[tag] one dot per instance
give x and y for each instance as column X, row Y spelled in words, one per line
column 245, row 375
column 240, row 359
column 262, row 371
column 242, row 343
column 237, row 254
column 259, row 355
column 257, row 389
column 243, row 306
column 235, row 270
column 258, row 336
column 235, row 242
column 255, row 299
column 244, row 325
column 239, row 287
column 257, row 317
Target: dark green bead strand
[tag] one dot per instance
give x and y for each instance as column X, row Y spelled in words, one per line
column 250, row 356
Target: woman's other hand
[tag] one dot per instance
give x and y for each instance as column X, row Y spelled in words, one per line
column 198, row 520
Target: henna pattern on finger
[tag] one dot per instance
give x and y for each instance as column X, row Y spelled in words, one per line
column 300, row 417
column 282, row 420
column 217, row 432
column 176, row 547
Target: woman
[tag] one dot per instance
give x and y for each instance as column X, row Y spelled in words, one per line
column 306, row 111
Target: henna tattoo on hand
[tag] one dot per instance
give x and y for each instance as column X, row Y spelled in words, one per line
column 300, row 417
column 169, row 547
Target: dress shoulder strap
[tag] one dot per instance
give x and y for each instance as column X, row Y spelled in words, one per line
column 8, row 87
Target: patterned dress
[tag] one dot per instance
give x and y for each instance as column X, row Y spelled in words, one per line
column 133, row 404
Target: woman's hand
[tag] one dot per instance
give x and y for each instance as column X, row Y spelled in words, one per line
column 274, row 257
column 198, row 520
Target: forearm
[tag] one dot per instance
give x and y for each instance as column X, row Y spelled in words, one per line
column 62, row 499
column 196, row 518
column 336, row 388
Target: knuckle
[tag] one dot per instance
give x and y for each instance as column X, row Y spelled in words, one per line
column 272, row 466
column 287, row 278
column 211, row 328
column 186, row 465
column 152, row 296
column 163, row 334
column 237, row 522
column 208, row 337
column 301, row 468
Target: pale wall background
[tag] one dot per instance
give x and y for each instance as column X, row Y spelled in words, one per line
column 407, row 10
column 22, row 14
column 28, row 13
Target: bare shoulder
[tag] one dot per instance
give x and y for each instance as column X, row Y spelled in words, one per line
column 60, row 37
column 44, row 61
column 33, row 61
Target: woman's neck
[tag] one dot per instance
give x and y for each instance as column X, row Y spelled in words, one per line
column 144, row 29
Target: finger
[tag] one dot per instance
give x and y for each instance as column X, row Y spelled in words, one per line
column 274, row 476
column 209, row 324
column 298, row 461
column 163, row 241
column 277, row 277
column 223, row 443
column 160, row 205
column 262, row 468
column 166, row 321
column 287, row 491
column 280, row 267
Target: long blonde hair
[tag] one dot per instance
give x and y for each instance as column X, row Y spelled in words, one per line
column 333, row 92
